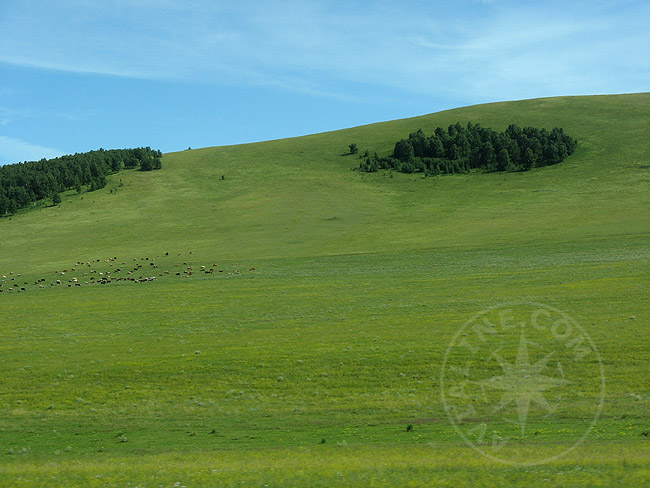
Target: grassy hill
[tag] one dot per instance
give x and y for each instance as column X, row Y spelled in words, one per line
column 323, row 337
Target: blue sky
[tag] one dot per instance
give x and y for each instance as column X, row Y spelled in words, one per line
column 77, row 75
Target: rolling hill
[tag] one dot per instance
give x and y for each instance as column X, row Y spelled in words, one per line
column 322, row 339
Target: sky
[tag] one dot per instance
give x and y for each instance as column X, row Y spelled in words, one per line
column 77, row 75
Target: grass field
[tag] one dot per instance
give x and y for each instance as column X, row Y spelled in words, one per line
column 312, row 355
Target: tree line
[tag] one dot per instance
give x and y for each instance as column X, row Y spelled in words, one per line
column 21, row 184
column 461, row 149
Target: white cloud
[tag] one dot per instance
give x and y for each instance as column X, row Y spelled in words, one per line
column 15, row 151
column 472, row 48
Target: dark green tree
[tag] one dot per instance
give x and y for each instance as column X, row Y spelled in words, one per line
column 12, row 207
column 503, row 160
column 528, row 159
column 488, row 157
column 404, row 151
column 146, row 164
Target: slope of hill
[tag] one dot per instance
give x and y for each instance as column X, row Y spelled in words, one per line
column 281, row 198
column 322, row 340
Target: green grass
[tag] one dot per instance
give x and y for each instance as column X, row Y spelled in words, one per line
column 307, row 370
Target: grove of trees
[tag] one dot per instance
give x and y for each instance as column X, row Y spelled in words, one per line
column 460, row 149
column 24, row 183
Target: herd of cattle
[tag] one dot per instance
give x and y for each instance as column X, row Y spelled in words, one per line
column 103, row 272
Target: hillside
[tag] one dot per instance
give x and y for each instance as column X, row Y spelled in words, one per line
column 323, row 338
column 279, row 198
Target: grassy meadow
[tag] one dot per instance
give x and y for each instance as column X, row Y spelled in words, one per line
column 312, row 354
